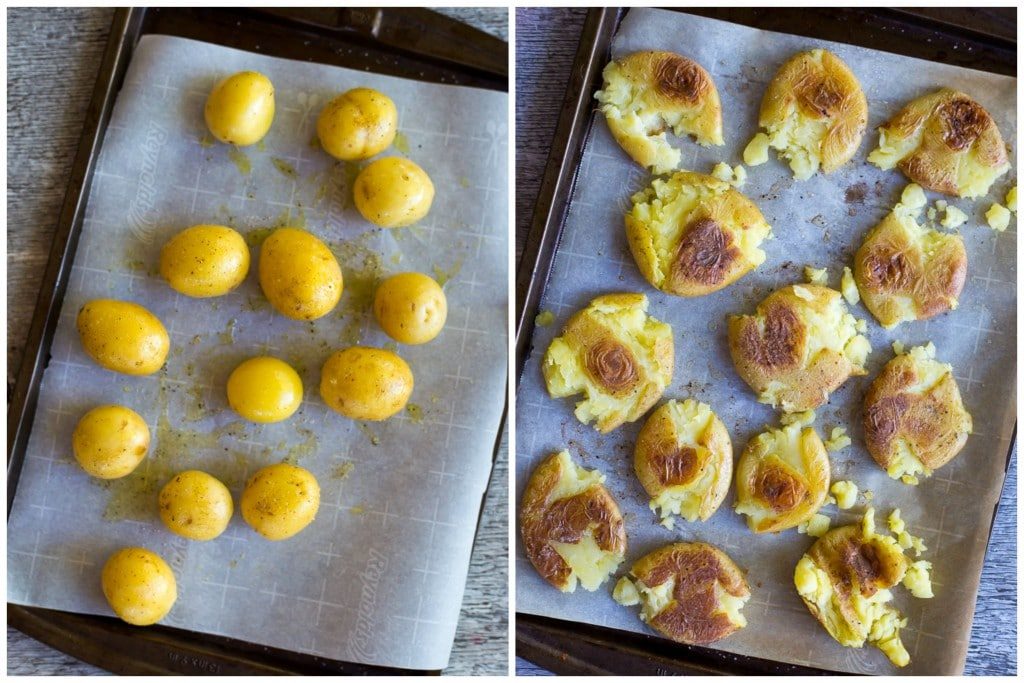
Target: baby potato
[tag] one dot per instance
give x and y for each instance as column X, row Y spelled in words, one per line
column 139, row 586
column 205, row 260
column 393, row 192
column 240, row 108
column 123, row 336
column 299, row 275
column 365, row 383
column 264, row 389
column 195, row 505
column 281, row 500
column 357, row 124
column 110, row 441
column 410, row 307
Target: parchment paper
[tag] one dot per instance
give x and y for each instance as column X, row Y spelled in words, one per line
column 378, row 577
column 818, row 222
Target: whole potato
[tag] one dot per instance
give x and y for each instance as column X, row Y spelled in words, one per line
column 123, row 336
column 139, row 586
column 357, row 124
column 240, row 108
column 205, row 260
column 299, row 275
column 366, row 384
column 264, row 389
column 195, row 505
column 110, row 441
column 281, row 500
column 393, row 192
column 410, row 307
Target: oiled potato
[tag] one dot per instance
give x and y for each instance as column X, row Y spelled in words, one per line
column 366, row 384
column 110, row 441
column 205, row 260
column 281, row 500
column 410, row 307
column 240, row 108
column 139, row 586
column 123, row 336
column 264, row 389
column 299, row 275
column 195, row 505
column 357, row 124
column 393, row 192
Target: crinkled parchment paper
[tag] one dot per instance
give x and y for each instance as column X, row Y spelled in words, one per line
column 818, row 222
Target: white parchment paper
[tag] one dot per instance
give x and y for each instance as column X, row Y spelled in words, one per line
column 378, row 577
column 817, row 222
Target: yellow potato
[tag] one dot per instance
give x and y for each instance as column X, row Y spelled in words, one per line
column 410, row 307
column 299, row 275
column 123, row 336
column 240, row 108
column 139, row 586
column 195, row 505
column 365, row 384
column 281, row 500
column 393, row 192
column 205, row 260
column 264, row 389
column 110, row 441
column 357, row 124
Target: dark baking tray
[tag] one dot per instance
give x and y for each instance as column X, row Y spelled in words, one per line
column 409, row 43
column 976, row 38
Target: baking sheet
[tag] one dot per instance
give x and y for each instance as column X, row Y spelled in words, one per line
column 378, row 577
column 817, row 222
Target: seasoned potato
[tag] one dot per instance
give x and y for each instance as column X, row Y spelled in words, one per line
column 357, row 124
column 123, row 336
column 139, row 586
column 110, row 441
column 264, row 389
column 393, row 192
column 299, row 275
column 281, row 500
column 195, row 505
column 240, row 108
column 366, row 384
column 205, row 260
column 410, row 307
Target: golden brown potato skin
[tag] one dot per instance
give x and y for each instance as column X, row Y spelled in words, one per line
column 123, row 336
column 365, row 383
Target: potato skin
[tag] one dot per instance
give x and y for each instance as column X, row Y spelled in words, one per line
column 110, row 441
column 264, row 389
column 365, row 383
column 139, row 586
column 299, row 275
column 240, row 109
column 195, row 505
column 410, row 307
column 393, row 192
column 357, row 124
column 281, row 500
column 205, row 260
column 123, row 336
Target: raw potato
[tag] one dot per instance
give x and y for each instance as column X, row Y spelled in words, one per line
column 139, row 586
column 357, row 124
column 264, row 389
column 281, row 500
column 123, row 336
column 366, row 384
column 205, row 260
column 393, row 192
column 299, row 275
column 410, row 307
column 240, row 108
column 110, row 441
column 196, row 505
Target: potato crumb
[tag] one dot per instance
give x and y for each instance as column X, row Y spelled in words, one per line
column 722, row 171
column 849, row 287
column 740, row 176
column 898, row 347
column 998, row 217
column 845, row 493
column 756, row 151
column 816, row 526
column 1011, row 199
column 816, row 276
column 839, row 440
column 802, row 419
column 625, row 593
column 953, row 217
column 918, row 581
column 913, row 197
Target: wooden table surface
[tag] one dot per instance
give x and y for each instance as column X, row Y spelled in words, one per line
column 546, row 41
column 53, row 57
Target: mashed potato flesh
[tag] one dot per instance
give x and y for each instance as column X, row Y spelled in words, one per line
column 691, row 419
column 590, row 564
